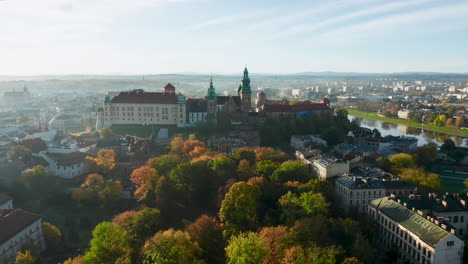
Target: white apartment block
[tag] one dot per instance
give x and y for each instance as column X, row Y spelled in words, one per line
column 138, row 107
column 416, row 238
column 18, row 228
column 328, row 167
column 66, row 165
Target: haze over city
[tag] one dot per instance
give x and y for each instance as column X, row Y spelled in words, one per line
column 203, row 36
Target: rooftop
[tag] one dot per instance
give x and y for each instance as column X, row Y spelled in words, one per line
column 67, row 159
column 34, row 144
column 440, row 203
column 353, row 182
column 141, row 97
column 418, row 225
column 13, row 221
column 327, row 161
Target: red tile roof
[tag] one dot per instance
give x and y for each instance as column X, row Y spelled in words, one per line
column 142, row 97
column 13, row 221
column 4, row 198
column 35, row 144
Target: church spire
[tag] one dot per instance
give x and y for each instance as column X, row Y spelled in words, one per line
column 246, row 82
column 211, row 95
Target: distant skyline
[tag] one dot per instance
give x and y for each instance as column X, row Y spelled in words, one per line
column 51, row 37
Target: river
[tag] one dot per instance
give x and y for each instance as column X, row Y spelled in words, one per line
column 423, row 136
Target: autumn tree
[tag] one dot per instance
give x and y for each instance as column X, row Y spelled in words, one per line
column 265, row 153
column 459, row 122
column 103, row 163
column 19, row 152
column 177, row 146
column 109, row 244
column 278, row 239
column 194, row 148
column 208, row 234
column 245, row 171
column 402, row 160
column 139, row 225
column 25, row 258
column 75, row 260
column 246, row 248
column 351, row 260
column 450, row 122
column 239, row 208
column 40, row 182
column 52, row 235
column 111, row 192
column 171, row 246
column 145, row 179
column 94, row 188
column 311, row 255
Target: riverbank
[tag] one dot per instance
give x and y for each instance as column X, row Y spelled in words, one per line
column 447, row 130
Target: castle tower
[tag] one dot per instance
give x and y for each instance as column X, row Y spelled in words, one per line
column 261, row 99
column 246, row 92
column 211, row 100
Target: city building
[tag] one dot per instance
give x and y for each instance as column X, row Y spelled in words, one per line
column 196, row 110
column 66, row 165
column 18, row 228
column 139, row 107
column 356, row 191
column 225, row 144
column 6, row 202
column 416, row 238
column 449, row 208
column 304, row 141
column 66, row 122
column 329, row 167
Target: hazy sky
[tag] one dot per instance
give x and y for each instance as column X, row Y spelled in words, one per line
column 216, row 36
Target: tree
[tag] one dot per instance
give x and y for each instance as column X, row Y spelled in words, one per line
column 177, row 146
column 351, row 260
column 238, row 210
column 111, row 193
column 278, row 239
column 245, row 171
column 52, row 236
column 224, row 166
column 106, row 134
column 440, row 120
column 459, row 122
column 164, row 164
column 109, row 243
column 244, row 154
column 75, row 260
column 171, row 247
column 40, row 182
column 296, row 206
column 291, row 171
column 426, row 155
column 208, row 234
column 19, row 152
column 265, row 153
column 194, row 148
column 145, row 179
column 341, row 114
column 25, row 258
column 312, row 255
column 103, row 163
column 402, row 160
column 465, row 183
column 246, row 248
column 140, row 225
column 265, row 168
column 427, row 182
column 448, row 146
column 450, row 122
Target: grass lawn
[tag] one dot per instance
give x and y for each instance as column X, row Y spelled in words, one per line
column 452, row 186
column 447, row 130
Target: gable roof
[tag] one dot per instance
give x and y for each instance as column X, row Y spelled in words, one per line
column 13, row 221
column 222, row 99
column 142, row 97
column 34, row 144
column 196, row 105
column 418, row 225
column 67, row 159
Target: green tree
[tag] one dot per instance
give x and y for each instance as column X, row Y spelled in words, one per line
column 426, row 155
column 171, row 247
column 312, row 255
column 244, row 154
column 19, row 152
column 40, row 182
column 246, row 248
column 440, row 120
column 402, row 160
column 448, row 146
column 109, row 243
column 265, row 168
column 238, row 210
column 225, row 167
column 164, row 164
column 291, row 171
column 426, row 182
column 245, row 171
column 53, row 236
column 278, row 239
column 296, row 206
column 106, row 134
column 141, row 225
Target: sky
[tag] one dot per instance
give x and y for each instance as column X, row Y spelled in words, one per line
column 221, row 37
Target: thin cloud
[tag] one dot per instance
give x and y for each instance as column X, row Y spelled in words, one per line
column 309, row 27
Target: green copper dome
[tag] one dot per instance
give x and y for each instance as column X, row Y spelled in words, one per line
column 211, row 95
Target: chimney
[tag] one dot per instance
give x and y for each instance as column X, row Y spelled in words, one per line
column 411, row 197
column 421, row 213
column 438, row 201
column 443, row 226
column 445, row 204
column 405, row 204
column 463, row 203
column 453, row 231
